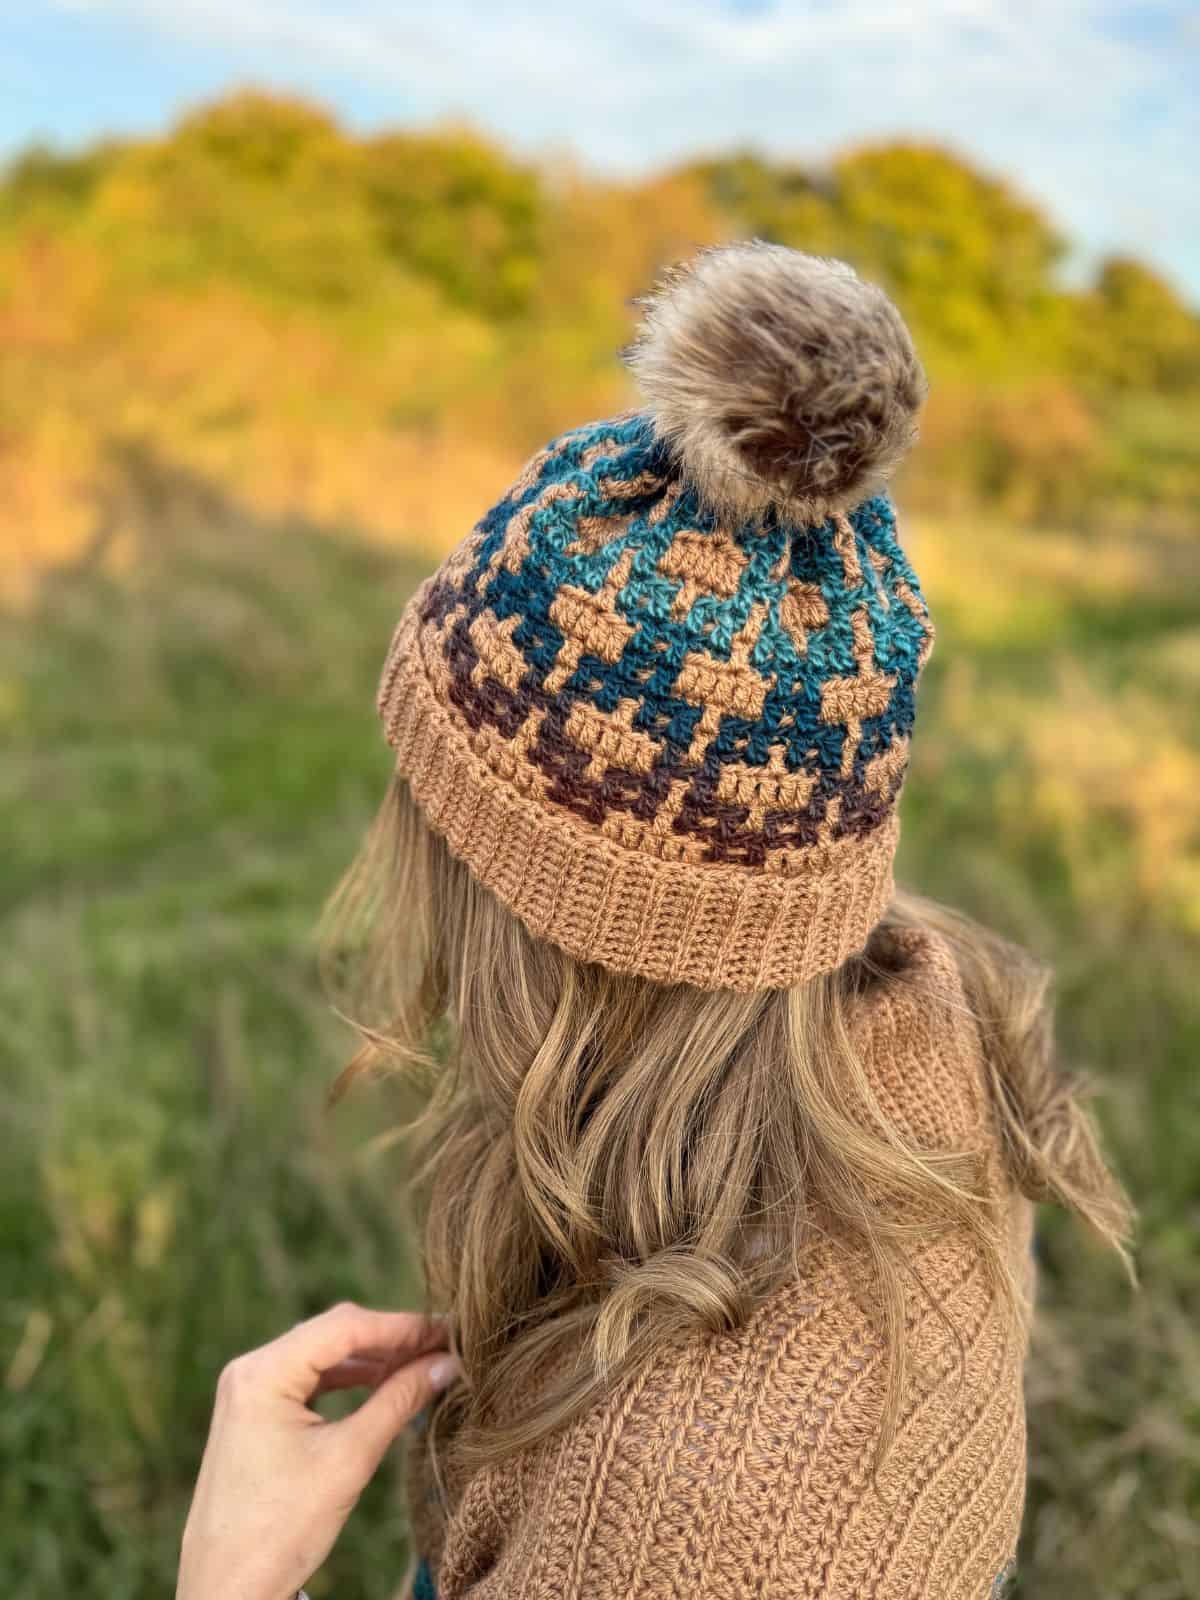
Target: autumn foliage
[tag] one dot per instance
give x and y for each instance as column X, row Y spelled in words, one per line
column 372, row 331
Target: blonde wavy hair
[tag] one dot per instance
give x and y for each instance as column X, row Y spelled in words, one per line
column 604, row 1164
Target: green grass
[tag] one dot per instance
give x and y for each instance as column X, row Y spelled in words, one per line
column 189, row 757
column 190, row 753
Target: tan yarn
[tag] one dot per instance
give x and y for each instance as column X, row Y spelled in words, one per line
column 659, row 700
column 647, row 909
column 744, row 1465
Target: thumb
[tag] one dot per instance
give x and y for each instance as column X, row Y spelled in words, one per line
column 379, row 1420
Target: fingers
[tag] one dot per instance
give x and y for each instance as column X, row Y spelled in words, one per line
column 300, row 1357
column 358, row 1372
column 379, row 1420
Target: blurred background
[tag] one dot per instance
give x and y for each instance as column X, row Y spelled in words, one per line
column 287, row 293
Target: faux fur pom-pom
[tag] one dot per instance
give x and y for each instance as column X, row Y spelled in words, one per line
column 780, row 379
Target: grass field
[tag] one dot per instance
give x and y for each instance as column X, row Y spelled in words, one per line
column 189, row 754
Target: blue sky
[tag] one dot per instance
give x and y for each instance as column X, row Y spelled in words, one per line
column 1090, row 105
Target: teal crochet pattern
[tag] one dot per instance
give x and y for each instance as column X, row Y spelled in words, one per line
column 659, row 699
column 751, row 686
column 424, row 1587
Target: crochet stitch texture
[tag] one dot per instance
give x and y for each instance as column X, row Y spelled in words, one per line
column 671, row 744
column 741, row 1465
column 659, row 699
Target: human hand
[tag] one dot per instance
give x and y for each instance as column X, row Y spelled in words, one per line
column 278, row 1481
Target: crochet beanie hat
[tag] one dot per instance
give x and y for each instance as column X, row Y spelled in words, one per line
column 659, row 699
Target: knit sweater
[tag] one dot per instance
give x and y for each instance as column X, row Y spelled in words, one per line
column 742, row 1464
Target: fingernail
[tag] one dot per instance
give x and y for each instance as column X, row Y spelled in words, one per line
column 444, row 1371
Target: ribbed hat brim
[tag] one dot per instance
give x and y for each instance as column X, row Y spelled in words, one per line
column 717, row 926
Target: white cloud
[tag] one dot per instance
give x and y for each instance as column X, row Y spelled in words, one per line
column 1088, row 104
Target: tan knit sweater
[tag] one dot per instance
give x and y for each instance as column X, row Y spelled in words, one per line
column 742, row 1465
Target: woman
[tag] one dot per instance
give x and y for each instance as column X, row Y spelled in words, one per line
column 727, row 1180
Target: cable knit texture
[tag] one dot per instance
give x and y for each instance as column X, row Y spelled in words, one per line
column 742, row 1464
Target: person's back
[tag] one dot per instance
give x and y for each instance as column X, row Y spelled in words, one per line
column 727, row 1174
column 744, row 1462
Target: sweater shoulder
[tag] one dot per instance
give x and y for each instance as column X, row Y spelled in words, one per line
column 922, row 1051
column 746, row 1463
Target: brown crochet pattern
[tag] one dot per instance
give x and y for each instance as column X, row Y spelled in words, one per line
column 606, row 831
column 742, row 1466
column 669, row 732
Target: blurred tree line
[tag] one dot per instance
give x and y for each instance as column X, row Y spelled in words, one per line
column 371, row 330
